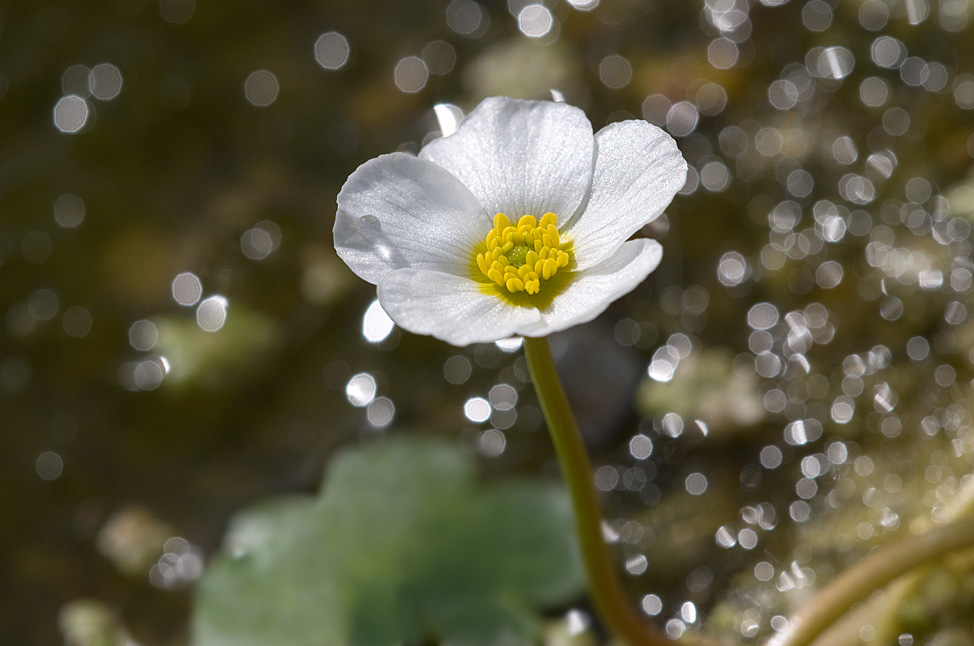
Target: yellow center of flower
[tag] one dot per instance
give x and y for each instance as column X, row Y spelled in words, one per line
column 521, row 257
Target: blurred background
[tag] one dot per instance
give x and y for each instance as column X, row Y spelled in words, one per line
column 178, row 339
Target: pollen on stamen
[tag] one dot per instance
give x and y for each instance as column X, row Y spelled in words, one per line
column 519, row 257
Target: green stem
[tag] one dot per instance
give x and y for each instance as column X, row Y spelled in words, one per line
column 604, row 587
column 875, row 571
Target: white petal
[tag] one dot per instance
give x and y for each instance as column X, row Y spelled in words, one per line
column 592, row 290
column 638, row 170
column 520, row 157
column 450, row 308
column 397, row 211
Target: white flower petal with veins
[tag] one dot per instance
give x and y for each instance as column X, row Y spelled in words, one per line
column 424, row 229
column 626, row 196
column 451, row 308
column 397, row 211
column 520, row 157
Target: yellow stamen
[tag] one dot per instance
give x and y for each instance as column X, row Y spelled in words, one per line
column 519, row 257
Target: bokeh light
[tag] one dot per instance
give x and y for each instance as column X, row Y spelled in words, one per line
column 477, row 409
column 332, row 50
column 70, row 113
column 440, row 57
column 261, row 241
column 376, row 324
column 535, row 21
column 615, row 71
column 105, row 81
column 143, row 335
column 411, row 74
column 211, row 313
column 187, row 289
column 361, row 389
column 466, row 18
column 261, row 88
column 49, row 465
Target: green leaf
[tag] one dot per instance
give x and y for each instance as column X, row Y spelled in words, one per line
column 401, row 547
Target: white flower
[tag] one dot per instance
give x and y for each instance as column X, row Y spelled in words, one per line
column 515, row 224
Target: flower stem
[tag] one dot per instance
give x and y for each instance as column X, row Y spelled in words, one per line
column 873, row 572
column 604, row 586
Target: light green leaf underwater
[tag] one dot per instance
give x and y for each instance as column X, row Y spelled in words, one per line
column 403, row 546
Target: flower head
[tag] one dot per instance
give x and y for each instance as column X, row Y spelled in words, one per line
column 517, row 223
